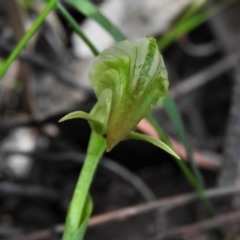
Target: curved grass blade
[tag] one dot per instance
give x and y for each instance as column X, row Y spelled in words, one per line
column 90, row 10
column 189, row 21
column 175, row 118
column 63, row 11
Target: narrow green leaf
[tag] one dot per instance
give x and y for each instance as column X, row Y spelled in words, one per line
column 89, row 9
column 23, row 42
column 82, row 230
column 191, row 20
column 84, row 222
column 76, row 27
column 154, row 141
column 182, row 165
column 179, row 30
column 192, row 9
column 175, row 118
column 88, row 207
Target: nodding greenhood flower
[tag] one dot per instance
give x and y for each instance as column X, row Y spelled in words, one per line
column 129, row 79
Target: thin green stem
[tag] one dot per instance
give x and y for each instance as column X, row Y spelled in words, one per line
column 96, row 147
column 17, row 50
column 76, row 28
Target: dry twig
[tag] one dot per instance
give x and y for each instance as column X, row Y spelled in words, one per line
column 164, row 205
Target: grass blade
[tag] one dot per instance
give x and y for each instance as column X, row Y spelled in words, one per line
column 90, row 10
column 17, row 50
column 76, row 27
column 175, row 118
column 188, row 22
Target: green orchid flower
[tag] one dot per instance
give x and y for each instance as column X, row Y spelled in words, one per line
column 129, row 80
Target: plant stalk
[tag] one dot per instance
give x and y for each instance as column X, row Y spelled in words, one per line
column 96, row 147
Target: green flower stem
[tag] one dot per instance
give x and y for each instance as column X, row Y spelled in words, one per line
column 96, row 147
column 17, row 50
column 76, row 28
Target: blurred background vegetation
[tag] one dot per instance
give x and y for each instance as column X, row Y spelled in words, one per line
column 40, row 159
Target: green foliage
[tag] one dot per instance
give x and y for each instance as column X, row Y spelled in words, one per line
column 90, row 10
column 192, row 17
column 17, row 50
column 75, row 26
column 176, row 120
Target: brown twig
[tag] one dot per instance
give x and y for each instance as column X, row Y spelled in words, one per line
column 223, row 220
column 164, row 205
column 209, row 74
column 13, row 189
